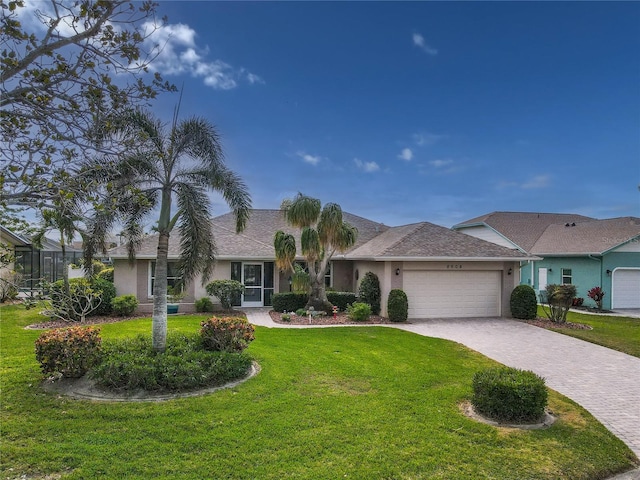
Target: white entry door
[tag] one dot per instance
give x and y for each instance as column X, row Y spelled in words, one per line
column 542, row 279
column 252, row 280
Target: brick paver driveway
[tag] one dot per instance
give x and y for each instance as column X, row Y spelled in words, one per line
column 604, row 381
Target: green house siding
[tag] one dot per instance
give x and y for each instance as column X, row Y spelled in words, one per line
column 586, row 272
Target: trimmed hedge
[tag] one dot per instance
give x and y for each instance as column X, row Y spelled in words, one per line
column 341, row 299
column 398, row 306
column 509, row 395
column 124, row 305
column 69, row 352
column 132, row 364
column 523, row 303
column 289, row 302
column 369, row 292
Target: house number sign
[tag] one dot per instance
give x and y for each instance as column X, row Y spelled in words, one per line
column 455, row 266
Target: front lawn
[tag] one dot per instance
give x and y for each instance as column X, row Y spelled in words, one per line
column 361, row 402
column 618, row 333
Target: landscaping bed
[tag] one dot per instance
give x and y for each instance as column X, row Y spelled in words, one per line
column 548, row 324
column 341, row 318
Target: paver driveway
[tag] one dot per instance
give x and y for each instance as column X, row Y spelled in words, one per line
column 604, row 381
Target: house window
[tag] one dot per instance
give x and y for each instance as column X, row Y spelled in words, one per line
column 566, row 276
column 328, row 278
column 174, row 279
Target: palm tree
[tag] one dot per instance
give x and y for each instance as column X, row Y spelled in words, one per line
column 184, row 163
column 323, row 232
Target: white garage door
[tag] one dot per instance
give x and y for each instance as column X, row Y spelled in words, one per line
column 437, row 294
column 626, row 289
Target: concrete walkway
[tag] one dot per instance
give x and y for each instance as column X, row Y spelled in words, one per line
column 604, row 381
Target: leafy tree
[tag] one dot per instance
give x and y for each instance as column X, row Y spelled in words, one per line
column 323, row 232
column 68, row 69
column 184, row 162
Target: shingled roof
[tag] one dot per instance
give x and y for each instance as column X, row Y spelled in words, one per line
column 523, row 228
column 426, row 240
column 594, row 237
column 256, row 241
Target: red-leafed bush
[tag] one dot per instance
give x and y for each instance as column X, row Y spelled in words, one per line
column 69, row 352
column 596, row 294
column 578, row 301
column 229, row 334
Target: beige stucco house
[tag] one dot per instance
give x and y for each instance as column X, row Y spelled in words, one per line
column 444, row 273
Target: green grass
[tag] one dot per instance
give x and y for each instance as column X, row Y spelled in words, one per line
column 360, row 403
column 618, row 333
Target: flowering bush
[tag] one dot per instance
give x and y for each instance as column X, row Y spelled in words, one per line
column 577, row 302
column 596, row 294
column 68, row 351
column 230, row 334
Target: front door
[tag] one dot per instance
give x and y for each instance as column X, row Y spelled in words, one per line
column 252, row 280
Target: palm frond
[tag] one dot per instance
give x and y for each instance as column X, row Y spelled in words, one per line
column 303, row 211
column 330, row 222
column 285, row 249
column 197, row 245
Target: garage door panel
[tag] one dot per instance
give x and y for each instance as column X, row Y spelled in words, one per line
column 626, row 288
column 438, row 294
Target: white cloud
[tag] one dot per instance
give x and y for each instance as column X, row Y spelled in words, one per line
column 419, row 41
column 179, row 54
column 368, row 167
column 539, row 181
column 441, row 163
column 427, row 139
column 310, row 159
column 406, row 154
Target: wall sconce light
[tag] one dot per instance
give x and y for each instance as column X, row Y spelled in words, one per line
column 550, row 270
column 357, row 274
column 608, row 273
column 397, row 271
column 510, row 271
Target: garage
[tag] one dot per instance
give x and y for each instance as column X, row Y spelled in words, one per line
column 453, row 294
column 625, row 290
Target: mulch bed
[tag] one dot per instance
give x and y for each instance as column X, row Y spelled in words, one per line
column 340, row 319
column 549, row 325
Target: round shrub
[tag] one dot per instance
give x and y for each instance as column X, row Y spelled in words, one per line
column 229, row 334
column 523, row 303
column 124, row 305
column 132, row 364
column 108, row 293
column 106, row 274
column 226, row 290
column 509, row 395
column 359, row 312
column 204, row 305
column 398, row 306
column 369, row 292
column 69, row 352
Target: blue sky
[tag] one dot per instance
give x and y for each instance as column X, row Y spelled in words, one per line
column 418, row 111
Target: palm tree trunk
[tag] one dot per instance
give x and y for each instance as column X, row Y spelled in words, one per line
column 159, row 318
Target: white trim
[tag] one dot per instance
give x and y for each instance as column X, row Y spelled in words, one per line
column 443, row 259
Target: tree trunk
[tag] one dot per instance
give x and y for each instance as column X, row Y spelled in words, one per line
column 159, row 318
column 318, row 296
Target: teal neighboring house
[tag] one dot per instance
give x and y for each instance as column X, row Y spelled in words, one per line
column 583, row 251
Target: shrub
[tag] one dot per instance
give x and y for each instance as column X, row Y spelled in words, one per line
column 69, row 352
column 398, row 306
column 508, row 394
column 285, row 317
column 523, row 302
column 341, row 299
column 577, row 302
column 106, row 274
column 289, row 302
column 204, row 305
column 596, row 294
column 359, row 311
column 229, row 334
column 559, row 299
column 132, row 364
column 301, row 312
column 369, row 292
column 81, row 301
column 226, row 290
column 9, row 282
column 124, row 305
